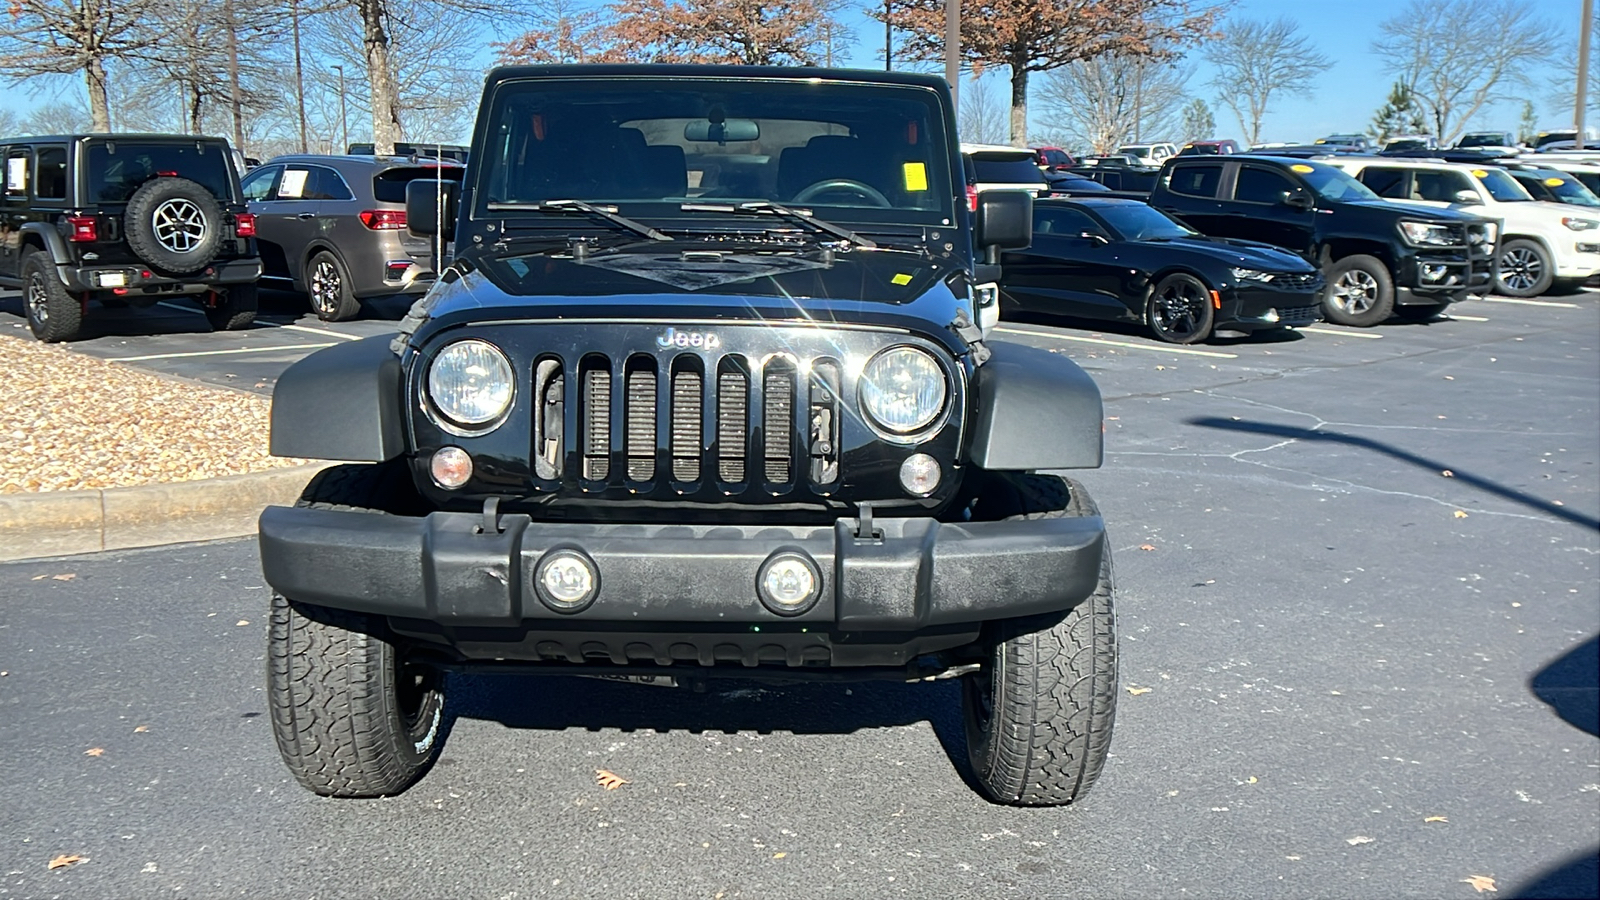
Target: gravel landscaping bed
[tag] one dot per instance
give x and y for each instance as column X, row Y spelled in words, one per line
column 71, row 422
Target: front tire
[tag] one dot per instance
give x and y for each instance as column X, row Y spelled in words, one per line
column 1179, row 310
column 352, row 714
column 53, row 314
column 1525, row 269
column 1360, row 292
column 1039, row 714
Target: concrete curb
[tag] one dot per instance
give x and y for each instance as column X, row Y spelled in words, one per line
column 58, row 523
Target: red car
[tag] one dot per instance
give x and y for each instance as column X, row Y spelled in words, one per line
column 1210, row 148
column 1053, row 159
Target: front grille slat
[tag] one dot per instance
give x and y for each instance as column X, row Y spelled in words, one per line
column 640, row 421
column 597, row 424
column 733, row 403
column 688, row 387
column 777, row 422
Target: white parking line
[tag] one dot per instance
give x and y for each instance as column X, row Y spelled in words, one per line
column 1004, row 329
column 1364, row 335
column 1460, row 318
column 1555, row 303
column 217, row 352
column 306, row 328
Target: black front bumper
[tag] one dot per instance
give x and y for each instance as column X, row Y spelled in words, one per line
column 693, row 581
column 1255, row 307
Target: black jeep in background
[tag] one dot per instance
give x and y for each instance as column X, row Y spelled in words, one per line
column 128, row 220
column 702, row 395
column 1380, row 258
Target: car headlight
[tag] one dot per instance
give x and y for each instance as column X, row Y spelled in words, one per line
column 1251, row 275
column 470, row 383
column 1426, row 234
column 1580, row 224
column 903, row 389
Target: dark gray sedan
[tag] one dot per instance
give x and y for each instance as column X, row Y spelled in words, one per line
column 335, row 227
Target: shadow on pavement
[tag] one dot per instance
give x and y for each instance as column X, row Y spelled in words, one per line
column 1571, row 685
column 1421, row 462
column 1577, row 877
column 1135, row 330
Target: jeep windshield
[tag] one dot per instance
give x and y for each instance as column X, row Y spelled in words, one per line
column 647, row 148
column 118, row 167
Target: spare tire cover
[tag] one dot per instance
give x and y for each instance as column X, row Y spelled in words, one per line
column 174, row 224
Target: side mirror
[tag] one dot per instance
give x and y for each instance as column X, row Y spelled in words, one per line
column 1004, row 221
column 431, row 206
column 1298, row 201
column 1468, row 197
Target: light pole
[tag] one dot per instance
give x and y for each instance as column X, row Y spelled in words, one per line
column 952, row 48
column 888, row 36
column 344, row 123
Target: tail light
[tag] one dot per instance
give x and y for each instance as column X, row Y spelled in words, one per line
column 384, row 219
column 244, row 224
column 84, row 229
column 972, row 198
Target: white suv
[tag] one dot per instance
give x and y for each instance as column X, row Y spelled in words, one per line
column 996, row 167
column 1541, row 243
column 1150, row 156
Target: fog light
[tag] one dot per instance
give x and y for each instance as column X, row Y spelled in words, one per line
column 919, row 474
column 451, row 467
column 567, row 580
column 1271, row 316
column 789, row 583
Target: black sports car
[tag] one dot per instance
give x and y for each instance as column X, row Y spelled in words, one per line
column 1115, row 258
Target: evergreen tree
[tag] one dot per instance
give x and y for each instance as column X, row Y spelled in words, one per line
column 1400, row 114
column 1198, row 123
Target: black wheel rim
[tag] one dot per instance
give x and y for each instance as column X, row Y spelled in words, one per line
column 1179, row 307
column 1520, row 269
column 1355, row 292
column 38, row 299
column 325, row 286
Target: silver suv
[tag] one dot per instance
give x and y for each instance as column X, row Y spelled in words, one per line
column 334, row 227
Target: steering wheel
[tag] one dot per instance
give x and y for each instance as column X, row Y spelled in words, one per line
column 827, row 185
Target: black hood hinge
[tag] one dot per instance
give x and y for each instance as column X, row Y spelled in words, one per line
column 973, row 335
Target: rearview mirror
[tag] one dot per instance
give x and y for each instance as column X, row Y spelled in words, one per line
column 431, row 206
column 1004, row 221
column 722, row 132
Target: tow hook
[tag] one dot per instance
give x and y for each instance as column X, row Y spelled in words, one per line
column 491, row 518
column 865, row 530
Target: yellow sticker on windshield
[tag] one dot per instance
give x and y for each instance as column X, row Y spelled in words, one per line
column 1480, row 173
column 916, row 175
column 901, row 279
column 1302, row 168
column 1553, row 182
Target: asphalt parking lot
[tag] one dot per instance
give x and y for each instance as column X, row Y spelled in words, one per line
column 1359, row 606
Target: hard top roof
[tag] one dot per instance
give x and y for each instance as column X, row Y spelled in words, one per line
column 677, row 70
column 108, row 136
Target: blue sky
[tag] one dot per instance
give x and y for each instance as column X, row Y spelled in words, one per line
column 1343, row 99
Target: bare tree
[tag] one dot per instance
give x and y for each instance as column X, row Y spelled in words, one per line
column 753, row 32
column 982, row 118
column 72, row 37
column 1103, row 102
column 9, row 121
column 1458, row 58
column 56, row 118
column 1028, row 36
column 1256, row 59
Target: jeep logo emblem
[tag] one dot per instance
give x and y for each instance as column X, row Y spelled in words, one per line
column 699, row 340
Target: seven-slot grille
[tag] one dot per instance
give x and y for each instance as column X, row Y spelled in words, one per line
column 740, row 420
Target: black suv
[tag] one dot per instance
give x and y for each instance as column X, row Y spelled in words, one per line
column 700, row 396
column 126, row 219
column 1380, row 258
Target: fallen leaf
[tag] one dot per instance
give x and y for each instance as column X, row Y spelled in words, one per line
column 94, row 751
column 141, row 729
column 1481, row 883
column 64, row 576
column 609, row 779
column 1147, row 547
column 1250, row 780
column 38, row 577
column 64, row 860
column 1161, row 368
column 1448, row 474
column 242, row 622
column 1461, row 514
column 1136, row 691
column 1436, row 819
column 1358, row 840
column 779, row 855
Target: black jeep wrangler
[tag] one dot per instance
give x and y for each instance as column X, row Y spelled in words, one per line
column 704, row 394
column 128, row 220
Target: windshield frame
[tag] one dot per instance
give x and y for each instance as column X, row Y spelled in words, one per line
column 944, row 176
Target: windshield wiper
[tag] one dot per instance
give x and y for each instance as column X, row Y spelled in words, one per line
column 610, row 215
column 759, row 207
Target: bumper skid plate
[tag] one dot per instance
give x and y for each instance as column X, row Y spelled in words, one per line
column 447, row 569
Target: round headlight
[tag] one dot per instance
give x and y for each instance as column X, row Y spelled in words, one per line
column 470, row 383
column 903, row 389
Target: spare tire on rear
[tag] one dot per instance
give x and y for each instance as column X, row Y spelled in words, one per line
column 174, row 225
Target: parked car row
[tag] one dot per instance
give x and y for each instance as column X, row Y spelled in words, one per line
column 119, row 220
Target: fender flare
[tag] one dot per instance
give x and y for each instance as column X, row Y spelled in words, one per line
column 51, row 241
column 1034, row 410
column 342, row 402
